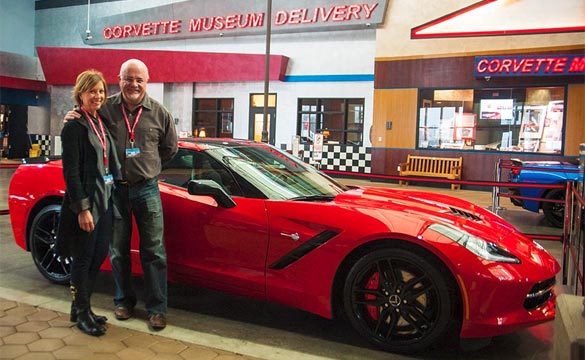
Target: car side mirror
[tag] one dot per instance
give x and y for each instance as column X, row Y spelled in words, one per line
column 213, row 189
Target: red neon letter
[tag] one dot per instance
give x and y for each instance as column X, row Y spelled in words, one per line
column 127, row 31
column 218, row 23
column 339, row 12
column 175, row 27
column 577, row 65
column 294, row 16
column 353, row 11
column 117, row 31
column 505, row 67
column 482, row 66
column 231, row 21
column 494, row 65
column 107, row 33
column 370, row 10
column 194, row 25
column 560, row 65
column 280, row 18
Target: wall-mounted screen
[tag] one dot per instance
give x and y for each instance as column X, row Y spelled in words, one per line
column 496, row 109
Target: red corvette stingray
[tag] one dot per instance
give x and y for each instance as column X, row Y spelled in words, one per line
column 407, row 269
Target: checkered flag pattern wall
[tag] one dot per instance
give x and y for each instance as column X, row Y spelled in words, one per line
column 356, row 159
column 44, row 141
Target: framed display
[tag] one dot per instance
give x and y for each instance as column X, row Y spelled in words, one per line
column 532, row 122
column 465, row 126
column 465, row 133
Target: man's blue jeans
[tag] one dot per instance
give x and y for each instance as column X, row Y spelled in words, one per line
column 143, row 201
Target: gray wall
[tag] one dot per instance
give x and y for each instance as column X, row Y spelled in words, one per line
column 17, row 27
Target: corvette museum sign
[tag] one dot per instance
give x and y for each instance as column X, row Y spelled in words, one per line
column 233, row 18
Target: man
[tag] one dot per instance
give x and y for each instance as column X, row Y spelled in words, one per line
column 145, row 138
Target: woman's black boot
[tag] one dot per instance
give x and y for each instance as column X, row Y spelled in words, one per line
column 73, row 313
column 87, row 324
column 99, row 319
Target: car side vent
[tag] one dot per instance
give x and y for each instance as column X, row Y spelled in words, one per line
column 539, row 294
column 303, row 250
column 465, row 214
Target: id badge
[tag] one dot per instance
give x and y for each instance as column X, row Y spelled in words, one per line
column 108, row 179
column 132, row 152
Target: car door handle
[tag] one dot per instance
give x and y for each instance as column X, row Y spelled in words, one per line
column 294, row 236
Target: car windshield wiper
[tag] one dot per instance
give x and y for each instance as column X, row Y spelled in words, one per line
column 317, row 197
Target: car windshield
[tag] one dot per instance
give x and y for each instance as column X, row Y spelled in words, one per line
column 277, row 174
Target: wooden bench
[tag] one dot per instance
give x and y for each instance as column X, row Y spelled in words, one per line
column 448, row 168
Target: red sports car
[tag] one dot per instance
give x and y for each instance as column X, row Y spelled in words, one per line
column 407, row 269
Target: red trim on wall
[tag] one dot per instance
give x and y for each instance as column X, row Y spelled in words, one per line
column 22, row 84
column 62, row 65
column 414, row 32
column 499, row 32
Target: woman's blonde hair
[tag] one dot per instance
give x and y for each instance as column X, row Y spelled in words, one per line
column 86, row 81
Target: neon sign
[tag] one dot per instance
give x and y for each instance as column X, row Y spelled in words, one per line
column 175, row 21
column 338, row 13
column 533, row 65
column 144, row 29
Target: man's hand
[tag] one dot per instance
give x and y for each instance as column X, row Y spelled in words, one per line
column 71, row 115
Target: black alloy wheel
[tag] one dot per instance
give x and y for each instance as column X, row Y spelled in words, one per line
column 554, row 212
column 399, row 300
column 42, row 241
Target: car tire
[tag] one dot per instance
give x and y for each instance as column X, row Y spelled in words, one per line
column 411, row 310
column 42, row 244
column 554, row 213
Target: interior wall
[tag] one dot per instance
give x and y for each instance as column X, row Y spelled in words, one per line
column 457, row 72
column 394, row 40
column 17, row 28
column 575, row 127
column 38, row 120
column 178, row 99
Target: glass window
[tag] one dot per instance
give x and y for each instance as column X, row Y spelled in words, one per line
column 339, row 120
column 257, row 100
column 190, row 165
column 506, row 119
column 213, row 118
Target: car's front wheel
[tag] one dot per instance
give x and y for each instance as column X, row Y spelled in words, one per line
column 554, row 212
column 399, row 300
column 42, row 242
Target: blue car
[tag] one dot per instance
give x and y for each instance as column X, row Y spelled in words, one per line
column 543, row 172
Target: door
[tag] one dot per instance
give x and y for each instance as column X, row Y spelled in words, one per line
column 208, row 245
column 18, row 140
column 257, row 125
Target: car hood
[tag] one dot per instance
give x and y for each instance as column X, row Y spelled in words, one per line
column 411, row 211
column 556, row 165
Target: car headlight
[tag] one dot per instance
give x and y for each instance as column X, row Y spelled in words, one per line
column 484, row 249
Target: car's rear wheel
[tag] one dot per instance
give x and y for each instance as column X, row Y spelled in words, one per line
column 398, row 300
column 42, row 241
column 554, row 212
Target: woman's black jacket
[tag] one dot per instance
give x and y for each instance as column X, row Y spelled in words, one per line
column 83, row 170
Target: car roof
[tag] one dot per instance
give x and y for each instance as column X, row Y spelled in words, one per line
column 207, row 143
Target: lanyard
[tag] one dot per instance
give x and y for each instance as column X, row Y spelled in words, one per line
column 101, row 137
column 131, row 129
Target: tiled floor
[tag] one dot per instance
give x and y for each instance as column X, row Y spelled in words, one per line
column 33, row 329
column 30, row 332
column 33, row 323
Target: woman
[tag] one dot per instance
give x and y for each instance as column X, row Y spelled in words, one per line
column 90, row 166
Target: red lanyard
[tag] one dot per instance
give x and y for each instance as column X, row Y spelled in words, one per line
column 131, row 129
column 101, row 137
